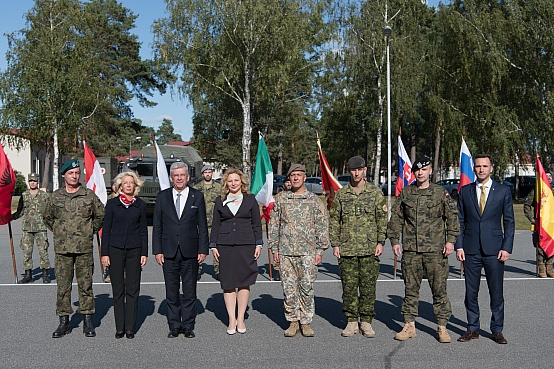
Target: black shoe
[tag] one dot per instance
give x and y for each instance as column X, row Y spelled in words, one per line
column 276, row 275
column 119, row 334
column 28, row 277
column 173, row 333
column 130, row 335
column 88, row 327
column 217, row 276
column 189, row 333
column 45, row 275
column 63, row 328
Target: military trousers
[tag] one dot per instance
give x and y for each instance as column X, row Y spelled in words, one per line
column 298, row 274
column 65, row 266
column 26, row 244
column 435, row 265
column 359, row 273
column 541, row 255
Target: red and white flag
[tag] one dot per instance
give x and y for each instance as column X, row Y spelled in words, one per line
column 7, row 185
column 329, row 184
column 405, row 175
column 94, row 175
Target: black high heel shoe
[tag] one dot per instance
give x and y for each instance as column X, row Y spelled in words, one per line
column 130, row 335
column 119, row 334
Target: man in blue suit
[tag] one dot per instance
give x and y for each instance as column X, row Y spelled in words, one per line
column 180, row 244
column 484, row 208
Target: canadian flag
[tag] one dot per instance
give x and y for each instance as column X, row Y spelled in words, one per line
column 94, row 176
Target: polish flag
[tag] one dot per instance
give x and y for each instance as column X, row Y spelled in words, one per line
column 94, row 175
column 163, row 177
column 262, row 181
column 467, row 175
column 405, row 175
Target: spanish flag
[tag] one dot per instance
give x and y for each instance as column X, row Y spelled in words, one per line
column 544, row 210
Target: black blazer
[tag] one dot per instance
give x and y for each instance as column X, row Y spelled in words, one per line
column 244, row 228
column 190, row 233
column 125, row 228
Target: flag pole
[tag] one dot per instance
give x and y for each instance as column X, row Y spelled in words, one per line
column 269, row 255
column 13, row 252
column 463, row 139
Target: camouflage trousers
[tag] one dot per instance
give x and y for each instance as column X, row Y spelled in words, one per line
column 359, row 273
column 215, row 262
column 26, row 244
column 298, row 274
column 82, row 265
column 541, row 255
column 435, row 265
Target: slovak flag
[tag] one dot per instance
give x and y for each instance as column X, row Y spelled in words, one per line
column 467, row 175
column 405, row 175
column 262, row 181
column 94, row 176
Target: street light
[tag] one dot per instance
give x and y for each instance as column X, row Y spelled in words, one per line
column 388, row 32
column 138, row 138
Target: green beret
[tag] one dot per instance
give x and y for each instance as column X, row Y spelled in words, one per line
column 70, row 164
column 296, row 168
column 356, row 162
column 32, row 177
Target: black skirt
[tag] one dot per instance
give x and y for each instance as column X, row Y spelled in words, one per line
column 237, row 267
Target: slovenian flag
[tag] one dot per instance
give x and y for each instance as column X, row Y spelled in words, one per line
column 467, row 175
column 94, row 175
column 544, row 210
column 329, row 183
column 262, row 181
column 405, row 175
column 163, row 177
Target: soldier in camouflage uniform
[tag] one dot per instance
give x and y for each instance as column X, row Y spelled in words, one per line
column 211, row 189
column 357, row 230
column 298, row 237
column 73, row 214
column 427, row 218
column 276, row 268
column 30, row 207
column 544, row 262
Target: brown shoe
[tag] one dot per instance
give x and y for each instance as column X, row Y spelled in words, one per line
column 549, row 271
column 498, row 337
column 468, row 336
column 292, row 330
column 307, row 331
column 442, row 334
column 542, row 270
column 407, row 332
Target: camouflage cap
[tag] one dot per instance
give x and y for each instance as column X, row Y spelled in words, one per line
column 421, row 162
column 356, row 162
column 70, row 164
column 32, row 177
column 296, row 168
column 206, row 167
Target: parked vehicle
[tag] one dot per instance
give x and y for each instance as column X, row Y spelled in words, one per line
column 385, row 186
column 313, row 184
column 450, row 185
column 344, row 179
column 278, row 183
column 525, row 185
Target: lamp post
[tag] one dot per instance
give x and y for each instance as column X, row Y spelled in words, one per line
column 388, row 31
column 138, row 138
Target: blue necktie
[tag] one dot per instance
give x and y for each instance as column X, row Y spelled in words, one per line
column 178, row 205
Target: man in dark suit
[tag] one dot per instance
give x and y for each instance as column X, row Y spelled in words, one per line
column 180, row 244
column 484, row 208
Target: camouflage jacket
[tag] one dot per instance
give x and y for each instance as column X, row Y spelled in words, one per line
column 358, row 222
column 426, row 218
column 31, row 207
column 298, row 225
column 210, row 193
column 73, row 218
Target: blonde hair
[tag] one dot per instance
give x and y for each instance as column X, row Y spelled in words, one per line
column 244, row 188
column 138, row 182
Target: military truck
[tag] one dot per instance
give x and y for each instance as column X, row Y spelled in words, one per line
column 109, row 168
column 144, row 164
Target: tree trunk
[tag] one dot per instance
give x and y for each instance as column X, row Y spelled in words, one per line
column 55, row 182
column 378, row 144
column 47, row 161
column 437, row 152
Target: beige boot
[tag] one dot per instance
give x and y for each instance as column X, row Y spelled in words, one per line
column 542, row 270
column 367, row 330
column 549, row 271
column 442, row 334
column 407, row 332
column 351, row 329
column 307, row 331
column 292, row 330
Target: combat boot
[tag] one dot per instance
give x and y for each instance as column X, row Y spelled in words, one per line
column 542, row 270
column 106, row 277
column 307, row 331
column 549, row 271
column 27, row 278
column 63, row 328
column 45, row 275
column 292, row 330
column 442, row 334
column 351, row 329
column 407, row 332
column 367, row 330
column 276, row 275
column 88, row 327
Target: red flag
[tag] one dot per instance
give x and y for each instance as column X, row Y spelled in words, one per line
column 329, row 183
column 94, row 175
column 544, row 210
column 7, row 185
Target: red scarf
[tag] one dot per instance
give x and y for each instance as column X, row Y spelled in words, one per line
column 125, row 201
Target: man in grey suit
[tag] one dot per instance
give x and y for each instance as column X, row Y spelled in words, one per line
column 484, row 209
column 180, row 244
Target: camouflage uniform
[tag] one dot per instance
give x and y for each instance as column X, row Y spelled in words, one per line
column 210, row 191
column 31, row 207
column 426, row 218
column 357, row 224
column 73, row 218
column 298, row 231
column 529, row 210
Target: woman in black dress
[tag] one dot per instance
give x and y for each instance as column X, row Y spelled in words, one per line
column 236, row 242
column 125, row 249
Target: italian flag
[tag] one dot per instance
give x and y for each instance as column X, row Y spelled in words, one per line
column 94, row 175
column 262, row 181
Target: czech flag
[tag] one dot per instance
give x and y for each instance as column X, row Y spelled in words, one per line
column 544, row 210
column 467, row 175
column 262, row 181
column 405, row 175
column 94, row 176
column 329, row 183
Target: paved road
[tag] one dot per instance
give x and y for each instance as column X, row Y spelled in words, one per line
column 27, row 319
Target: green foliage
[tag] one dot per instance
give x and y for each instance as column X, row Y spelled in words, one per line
column 165, row 133
column 20, row 184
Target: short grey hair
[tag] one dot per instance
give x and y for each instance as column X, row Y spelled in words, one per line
column 177, row 165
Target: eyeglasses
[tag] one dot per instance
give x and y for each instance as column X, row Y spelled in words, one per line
column 33, row 180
